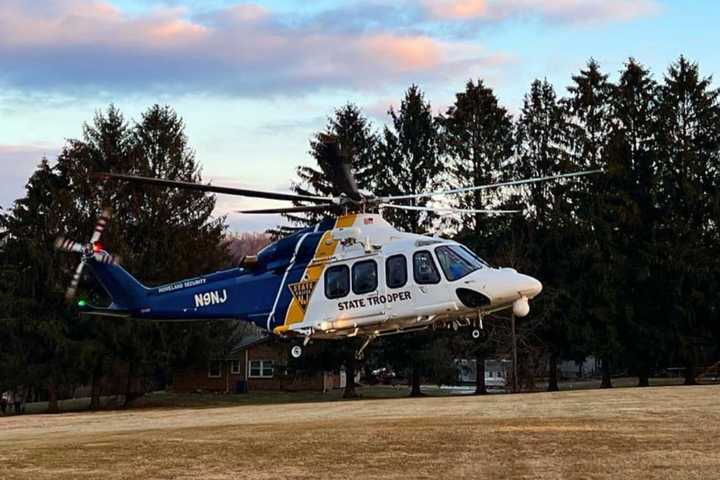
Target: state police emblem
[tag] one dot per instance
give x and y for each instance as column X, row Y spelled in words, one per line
column 302, row 291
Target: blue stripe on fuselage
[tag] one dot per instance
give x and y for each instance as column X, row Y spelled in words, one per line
column 305, row 254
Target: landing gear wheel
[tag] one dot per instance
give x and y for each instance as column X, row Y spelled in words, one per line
column 296, row 351
column 476, row 334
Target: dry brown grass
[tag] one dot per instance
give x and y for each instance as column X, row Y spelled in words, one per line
column 597, row 434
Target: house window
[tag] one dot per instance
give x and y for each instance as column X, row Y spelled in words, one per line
column 261, row 369
column 235, row 367
column 214, row 369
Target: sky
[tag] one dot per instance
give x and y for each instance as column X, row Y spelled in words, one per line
column 253, row 81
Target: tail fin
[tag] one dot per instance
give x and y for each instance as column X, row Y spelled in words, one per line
column 126, row 292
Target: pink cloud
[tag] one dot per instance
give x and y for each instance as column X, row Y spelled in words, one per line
column 408, row 53
column 456, row 8
column 77, row 22
column 248, row 12
column 569, row 11
column 243, row 49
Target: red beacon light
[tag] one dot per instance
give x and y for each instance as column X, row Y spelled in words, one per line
column 97, row 247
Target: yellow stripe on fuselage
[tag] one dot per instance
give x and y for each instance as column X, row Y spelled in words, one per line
column 325, row 249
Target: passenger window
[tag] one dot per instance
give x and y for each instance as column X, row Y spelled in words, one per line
column 424, row 269
column 364, row 277
column 396, row 271
column 337, row 281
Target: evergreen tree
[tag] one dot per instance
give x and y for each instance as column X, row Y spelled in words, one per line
column 43, row 353
column 166, row 224
column 477, row 139
column 589, row 114
column 588, row 110
column 356, row 139
column 548, row 231
column 688, row 133
column 631, row 165
column 410, row 157
column 163, row 226
column 409, row 153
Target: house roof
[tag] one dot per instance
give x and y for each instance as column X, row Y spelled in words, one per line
column 247, row 342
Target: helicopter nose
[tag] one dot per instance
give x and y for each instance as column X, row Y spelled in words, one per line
column 528, row 286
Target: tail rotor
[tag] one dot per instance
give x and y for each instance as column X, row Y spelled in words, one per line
column 72, row 289
column 92, row 250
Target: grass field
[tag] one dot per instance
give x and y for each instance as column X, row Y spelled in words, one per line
column 670, row 432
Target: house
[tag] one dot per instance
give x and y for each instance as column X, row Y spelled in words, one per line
column 496, row 372
column 256, row 363
column 589, row 367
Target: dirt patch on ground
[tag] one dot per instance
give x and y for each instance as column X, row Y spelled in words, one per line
column 625, row 433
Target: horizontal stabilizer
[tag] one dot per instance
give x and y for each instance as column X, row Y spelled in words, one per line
column 105, row 312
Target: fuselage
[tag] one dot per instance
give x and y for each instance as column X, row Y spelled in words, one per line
column 347, row 276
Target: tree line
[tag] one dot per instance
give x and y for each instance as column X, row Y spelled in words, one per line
column 629, row 258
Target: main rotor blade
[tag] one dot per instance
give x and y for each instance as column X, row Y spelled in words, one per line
column 492, row 185
column 161, row 182
column 300, row 209
column 446, row 210
column 337, row 166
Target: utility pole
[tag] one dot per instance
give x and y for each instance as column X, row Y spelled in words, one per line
column 514, row 348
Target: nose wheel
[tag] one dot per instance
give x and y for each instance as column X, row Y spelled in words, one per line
column 478, row 327
column 296, row 350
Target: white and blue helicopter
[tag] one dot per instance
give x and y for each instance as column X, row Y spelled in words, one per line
column 352, row 275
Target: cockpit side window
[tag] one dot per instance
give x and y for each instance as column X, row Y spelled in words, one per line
column 424, row 270
column 455, row 263
column 396, row 271
column 337, row 281
column 364, row 277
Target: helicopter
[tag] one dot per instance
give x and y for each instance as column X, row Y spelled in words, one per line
column 350, row 275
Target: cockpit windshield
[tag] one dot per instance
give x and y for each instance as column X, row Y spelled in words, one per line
column 472, row 256
column 457, row 261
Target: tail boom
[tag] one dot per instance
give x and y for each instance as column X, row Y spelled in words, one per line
column 229, row 294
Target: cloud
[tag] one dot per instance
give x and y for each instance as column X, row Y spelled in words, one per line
column 66, row 23
column 560, row 11
column 456, row 9
column 80, row 46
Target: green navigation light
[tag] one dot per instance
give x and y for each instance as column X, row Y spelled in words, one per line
column 81, row 303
